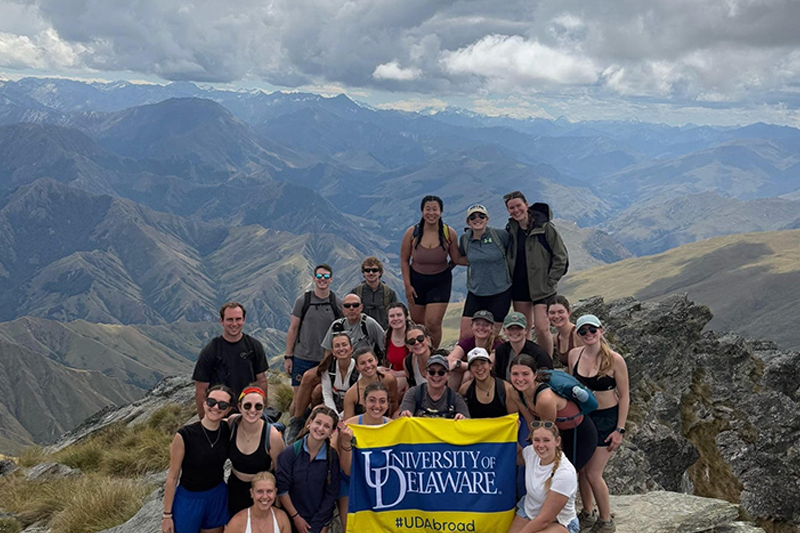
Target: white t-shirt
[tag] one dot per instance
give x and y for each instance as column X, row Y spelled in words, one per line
column 565, row 481
column 333, row 393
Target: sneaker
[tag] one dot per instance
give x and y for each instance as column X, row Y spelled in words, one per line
column 586, row 520
column 601, row 526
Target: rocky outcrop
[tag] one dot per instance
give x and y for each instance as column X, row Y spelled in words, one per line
column 49, row 471
column 712, row 414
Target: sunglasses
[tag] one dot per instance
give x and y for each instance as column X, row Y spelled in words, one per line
column 370, row 270
column 512, row 195
column 588, row 329
column 473, row 216
column 432, row 372
column 542, row 424
column 350, row 306
column 322, row 276
column 212, row 402
column 247, row 406
column 414, row 340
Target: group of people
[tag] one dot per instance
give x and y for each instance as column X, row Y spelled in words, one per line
column 366, row 358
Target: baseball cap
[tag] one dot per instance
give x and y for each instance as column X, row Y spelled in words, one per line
column 588, row 319
column 477, row 208
column 515, row 319
column 484, row 315
column 476, row 354
column 438, row 360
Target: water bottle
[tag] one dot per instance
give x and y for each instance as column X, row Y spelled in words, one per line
column 580, row 394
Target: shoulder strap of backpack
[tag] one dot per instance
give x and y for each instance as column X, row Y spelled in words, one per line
column 500, row 389
column 419, row 393
column 297, row 447
column 337, row 312
column 358, row 291
column 451, row 402
column 386, row 301
column 407, row 363
column 303, row 311
column 446, row 232
column 268, row 430
column 496, row 240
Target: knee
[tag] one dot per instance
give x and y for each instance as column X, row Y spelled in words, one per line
column 542, row 328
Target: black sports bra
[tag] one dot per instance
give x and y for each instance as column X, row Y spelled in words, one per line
column 595, row 383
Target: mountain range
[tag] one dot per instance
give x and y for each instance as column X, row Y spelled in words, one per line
column 138, row 209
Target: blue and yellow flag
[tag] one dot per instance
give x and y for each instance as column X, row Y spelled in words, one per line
column 436, row 475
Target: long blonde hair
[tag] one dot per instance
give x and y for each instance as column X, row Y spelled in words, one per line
column 559, row 454
column 606, row 360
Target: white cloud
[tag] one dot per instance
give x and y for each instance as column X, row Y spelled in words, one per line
column 513, row 60
column 513, row 107
column 44, row 50
column 393, row 71
column 415, row 105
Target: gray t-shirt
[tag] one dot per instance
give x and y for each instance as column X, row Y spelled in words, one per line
column 315, row 324
column 487, row 273
column 374, row 339
column 433, row 409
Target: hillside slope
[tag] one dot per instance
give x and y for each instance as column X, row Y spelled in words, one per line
column 750, row 281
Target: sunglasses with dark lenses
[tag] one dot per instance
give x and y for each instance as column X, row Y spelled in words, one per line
column 371, row 270
column 473, row 216
column 350, row 306
column 322, row 276
column 212, row 402
column 588, row 329
column 542, row 424
column 247, row 406
column 512, row 195
column 414, row 340
column 433, row 372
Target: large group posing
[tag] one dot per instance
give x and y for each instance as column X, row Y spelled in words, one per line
column 367, row 359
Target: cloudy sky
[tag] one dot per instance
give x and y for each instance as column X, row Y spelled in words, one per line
column 674, row 61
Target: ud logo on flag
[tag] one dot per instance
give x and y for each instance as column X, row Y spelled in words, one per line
column 420, row 474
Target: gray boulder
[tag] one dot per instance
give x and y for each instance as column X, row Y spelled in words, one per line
column 147, row 520
column 670, row 512
column 7, row 466
column 48, row 471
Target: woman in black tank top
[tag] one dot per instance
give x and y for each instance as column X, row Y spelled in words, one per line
column 367, row 366
column 255, row 446
column 486, row 395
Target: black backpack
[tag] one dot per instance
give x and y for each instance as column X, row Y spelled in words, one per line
column 546, row 245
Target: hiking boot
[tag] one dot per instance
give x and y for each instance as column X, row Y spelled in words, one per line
column 586, row 520
column 294, row 429
column 601, row 526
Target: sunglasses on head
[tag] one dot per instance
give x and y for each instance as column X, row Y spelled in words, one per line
column 512, row 195
column 247, row 406
column 414, row 340
column 588, row 329
column 213, row 402
column 542, row 424
column 370, row 270
column 350, row 306
column 473, row 216
column 322, row 276
column 434, row 372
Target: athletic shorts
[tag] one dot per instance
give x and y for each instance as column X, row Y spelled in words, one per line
column 579, row 444
column 497, row 304
column 605, row 420
column 238, row 494
column 520, row 292
column 299, row 367
column 432, row 288
column 193, row 511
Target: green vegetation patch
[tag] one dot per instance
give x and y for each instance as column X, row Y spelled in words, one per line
column 71, row 505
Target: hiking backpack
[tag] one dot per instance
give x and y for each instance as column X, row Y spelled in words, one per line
column 337, row 313
column 570, row 388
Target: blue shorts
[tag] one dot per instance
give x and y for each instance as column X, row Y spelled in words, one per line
column 573, row 527
column 193, row 511
column 299, row 367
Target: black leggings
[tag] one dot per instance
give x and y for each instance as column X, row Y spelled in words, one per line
column 579, row 444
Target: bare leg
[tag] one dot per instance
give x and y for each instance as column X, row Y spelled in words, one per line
column 526, row 308
column 465, row 328
column 434, row 314
column 542, row 326
column 342, row 504
column 594, row 475
column 417, row 313
column 304, row 391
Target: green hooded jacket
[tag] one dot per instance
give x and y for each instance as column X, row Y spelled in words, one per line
column 544, row 270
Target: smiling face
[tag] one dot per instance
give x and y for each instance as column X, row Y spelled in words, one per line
column 397, row 318
column 515, row 333
column 522, row 377
column 588, row 337
column 321, row 427
column 215, row 414
column 517, row 209
column 477, row 221
column 481, row 328
column 232, row 321
column 558, row 315
column 253, row 400
column 377, row 403
column 367, row 365
column 341, row 347
column 437, row 377
column 418, row 348
column 320, row 280
column 481, row 369
column 545, row 444
column 431, row 212
column 264, row 493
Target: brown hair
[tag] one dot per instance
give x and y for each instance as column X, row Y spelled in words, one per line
column 328, row 359
column 514, row 194
column 558, row 300
column 372, row 261
column 231, row 305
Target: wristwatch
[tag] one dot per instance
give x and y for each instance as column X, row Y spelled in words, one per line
column 459, row 363
column 287, row 356
column 621, row 431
